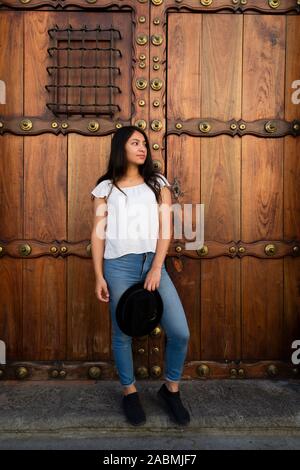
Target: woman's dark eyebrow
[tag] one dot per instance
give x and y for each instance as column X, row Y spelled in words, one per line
column 138, row 140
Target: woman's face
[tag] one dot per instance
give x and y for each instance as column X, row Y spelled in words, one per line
column 136, row 150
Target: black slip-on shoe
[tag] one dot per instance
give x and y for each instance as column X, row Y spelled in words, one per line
column 173, row 405
column 133, row 409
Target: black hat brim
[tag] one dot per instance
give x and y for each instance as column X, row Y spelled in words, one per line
column 139, row 310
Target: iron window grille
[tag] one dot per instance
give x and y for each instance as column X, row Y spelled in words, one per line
column 83, row 71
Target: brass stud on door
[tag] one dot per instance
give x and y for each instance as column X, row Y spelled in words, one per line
column 156, row 84
column 270, row 249
column 94, row 372
column 157, row 165
column 141, row 124
column 203, row 370
column 156, row 331
column 203, row 251
column 156, row 39
column 22, row 372
column 206, row 3
column 274, row 3
column 272, row 370
column 93, row 126
column 156, row 125
column 141, row 83
column 25, row 249
column 156, row 371
column 142, row 372
column 204, row 127
column 270, row 127
column 296, row 126
column 142, row 39
column 26, row 125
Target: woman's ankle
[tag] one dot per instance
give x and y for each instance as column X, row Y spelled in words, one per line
column 172, row 386
column 128, row 390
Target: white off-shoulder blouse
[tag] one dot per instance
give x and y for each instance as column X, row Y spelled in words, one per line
column 132, row 224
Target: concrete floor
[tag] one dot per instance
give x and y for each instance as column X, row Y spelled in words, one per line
column 225, row 414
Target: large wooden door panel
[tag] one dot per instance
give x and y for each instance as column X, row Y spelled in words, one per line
column 215, row 88
column 242, row 67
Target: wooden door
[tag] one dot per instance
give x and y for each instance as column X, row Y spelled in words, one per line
column 215, row 86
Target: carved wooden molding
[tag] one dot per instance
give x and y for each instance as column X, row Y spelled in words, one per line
column 29, row 125
column 234, row 6
column 273, row 249
column 201, row 127
column 229, row 369
column 208, row 127
column 67, row 4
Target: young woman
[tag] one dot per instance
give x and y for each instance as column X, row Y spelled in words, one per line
column 132, row 186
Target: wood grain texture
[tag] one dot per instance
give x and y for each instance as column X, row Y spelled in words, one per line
column 88, row 319
column 220, row 307
column 44, row 279
column 262, row 309
column 36, row 26
column 183, row 154
column 11, row 182
column 292, row 188
column 11, row 61
column 220, row 185
column 262, row 185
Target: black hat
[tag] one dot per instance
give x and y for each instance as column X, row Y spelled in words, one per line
column 139, row 310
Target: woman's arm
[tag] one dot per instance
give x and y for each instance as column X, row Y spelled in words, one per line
column 165, row 228
column 98, row 235
column 165, row 235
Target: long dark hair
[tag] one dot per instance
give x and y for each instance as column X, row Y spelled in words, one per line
column 117, row 164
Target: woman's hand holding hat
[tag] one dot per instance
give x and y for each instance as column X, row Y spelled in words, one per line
column 152, row 279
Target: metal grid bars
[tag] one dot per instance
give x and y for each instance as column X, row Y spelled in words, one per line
column 83, row 71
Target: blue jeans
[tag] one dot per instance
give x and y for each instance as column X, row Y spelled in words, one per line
column 120, row 273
